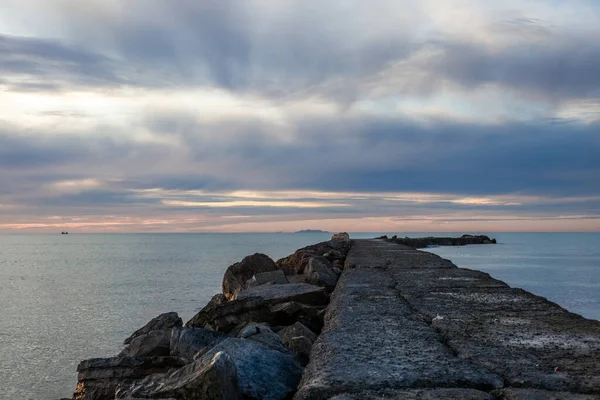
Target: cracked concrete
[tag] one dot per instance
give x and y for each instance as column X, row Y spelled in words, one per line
column 413, row 325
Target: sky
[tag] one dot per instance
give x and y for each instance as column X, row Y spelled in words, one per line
column 264, row 115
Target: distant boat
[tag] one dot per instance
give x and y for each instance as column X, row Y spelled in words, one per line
column 64, row 233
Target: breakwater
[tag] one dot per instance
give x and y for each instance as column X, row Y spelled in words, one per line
column 357, row 319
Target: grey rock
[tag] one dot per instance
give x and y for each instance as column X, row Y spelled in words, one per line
column 267, row 278
column 333, row 254
column 237, row 274
column 296, row 263
column 187, row 342
column 98, row 378
column 297, row 329
column 416, row 394
column 213, row 378
column 340, row 237
column 249, row 330
column 320, row 272
column 258, row 304
column 262, row 333
column 163, row 321
column 263, row 373
column 152, row 344
column 537, row 394
column 300, row 346
column 299, row 292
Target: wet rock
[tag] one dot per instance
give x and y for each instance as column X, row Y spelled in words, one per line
column 213, row 378
column 163, row 321
column 320, row 272
column 237, row 274
column 263, row 373
column 267, row 278
column 187, row 342
column 152, row 344
column 98, row 378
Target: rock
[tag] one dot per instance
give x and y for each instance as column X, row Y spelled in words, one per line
column 163, row 321
column 187, row 342
column 332, row 255
column 213, row 378
column 297, row 262
column 267, row 278
column 320, row 273
column 98, row 378
column 263, row 334
column 237, row 274
column 263, row 373
column 297, row 329
column 260, row 305
column 340, row 237
column 536, row 394
column 416, row 394
column 152, row 344
column 300, row 346
column 300, row 292
column 423, row 242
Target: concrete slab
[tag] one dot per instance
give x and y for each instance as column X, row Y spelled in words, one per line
column 403, row 320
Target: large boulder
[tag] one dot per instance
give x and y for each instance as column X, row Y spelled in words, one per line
column 151, row 344
column 263, row 373
column 163, row 321
column 237, row 274
column 213, row 378
column 98, row 378
column 187, row 342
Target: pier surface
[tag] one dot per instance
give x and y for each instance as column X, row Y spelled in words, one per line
column 407, row 324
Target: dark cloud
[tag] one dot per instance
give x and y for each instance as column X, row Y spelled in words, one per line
column 52, row 65
column 559, row 67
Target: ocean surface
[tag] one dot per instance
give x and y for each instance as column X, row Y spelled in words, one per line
column 64, row 298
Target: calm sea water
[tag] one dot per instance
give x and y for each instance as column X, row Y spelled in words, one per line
column 64, row 298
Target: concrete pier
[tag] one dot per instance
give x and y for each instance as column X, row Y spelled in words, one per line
column 407, row 324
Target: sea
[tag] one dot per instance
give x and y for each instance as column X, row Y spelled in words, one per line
column 65, row 298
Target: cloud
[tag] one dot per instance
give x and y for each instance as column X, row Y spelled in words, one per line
column 472, row 106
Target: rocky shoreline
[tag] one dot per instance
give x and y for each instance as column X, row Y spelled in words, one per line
column 356, row 319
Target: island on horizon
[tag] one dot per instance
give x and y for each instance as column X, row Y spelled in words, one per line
column 311, row 231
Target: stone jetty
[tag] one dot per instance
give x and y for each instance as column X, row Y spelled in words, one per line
column 356, row 319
